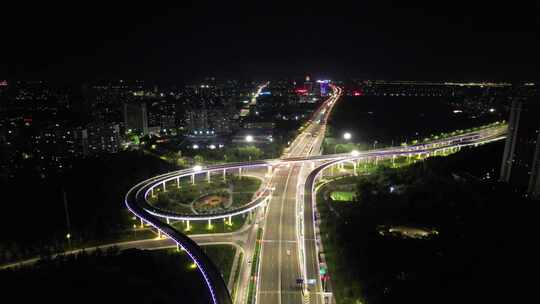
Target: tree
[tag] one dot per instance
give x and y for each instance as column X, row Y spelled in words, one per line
column 198, row 159
column 249, row 152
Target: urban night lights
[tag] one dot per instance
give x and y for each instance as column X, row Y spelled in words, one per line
column 225, row 153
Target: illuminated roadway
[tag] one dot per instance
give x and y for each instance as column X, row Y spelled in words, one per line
column 280, row 260
column 275, row 283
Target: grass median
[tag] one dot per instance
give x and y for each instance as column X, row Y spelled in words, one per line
column 254, row 268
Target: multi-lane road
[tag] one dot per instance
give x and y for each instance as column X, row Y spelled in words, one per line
column 281, row 256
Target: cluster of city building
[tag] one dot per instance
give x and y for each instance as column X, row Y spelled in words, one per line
column 45, row 125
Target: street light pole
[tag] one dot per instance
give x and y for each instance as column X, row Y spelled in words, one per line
column 68, row 224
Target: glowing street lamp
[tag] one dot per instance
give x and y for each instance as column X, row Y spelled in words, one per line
column 249, row 138
column 347, row 136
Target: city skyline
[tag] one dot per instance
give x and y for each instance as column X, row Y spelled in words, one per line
column 262, row 153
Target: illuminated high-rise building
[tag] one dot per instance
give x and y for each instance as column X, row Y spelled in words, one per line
column 101, row 138
column 136, row 117
column 521, row 159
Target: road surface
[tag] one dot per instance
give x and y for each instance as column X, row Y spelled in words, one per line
column 280, row 259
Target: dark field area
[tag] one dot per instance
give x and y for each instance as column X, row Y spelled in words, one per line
column 480, row 252
column 95, row 190
column 132, row 276
column 398, row 119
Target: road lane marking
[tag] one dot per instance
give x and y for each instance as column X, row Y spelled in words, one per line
column 281, row 230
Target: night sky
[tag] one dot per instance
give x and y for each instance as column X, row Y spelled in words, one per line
column 375, row 39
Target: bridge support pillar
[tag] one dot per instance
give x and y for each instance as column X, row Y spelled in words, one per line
column 354, row 169
column 393, row 160
column 240, row 172
column 187, row 225
column 164, row 187
column 208, row 176
column 230, row 220
column 224, row 174
column 168, row 220
column 159, row 234
column 178, row 182
column 152, row 192
column 209, row 224
column 376, row 160
column 269, row 170
column 193, row 179
column 142, row 223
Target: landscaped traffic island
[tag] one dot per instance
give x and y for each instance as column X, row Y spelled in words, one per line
column 204, row 197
